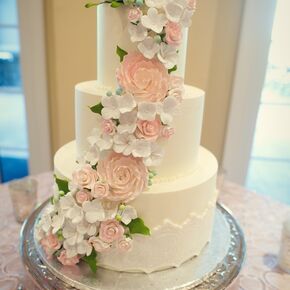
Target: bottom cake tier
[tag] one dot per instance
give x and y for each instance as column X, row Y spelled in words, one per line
column 179, row 212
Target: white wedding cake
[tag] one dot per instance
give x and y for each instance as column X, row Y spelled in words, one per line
column 137, row 157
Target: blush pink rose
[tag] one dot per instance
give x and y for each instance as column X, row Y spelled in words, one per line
column 110, row 231
column 134, row 14
column 176, row 88
column 167, row 132
column 173, row 33
column 127, row 176
column 82, row 196
column 50, row 244
column 85, row 177
column 108, row 127
column 147, row 80
column 149, row 130
column 100, row 190
column 99, row 245
column 68, row 261
column 125, row 245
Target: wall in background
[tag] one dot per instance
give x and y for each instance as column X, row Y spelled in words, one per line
column 71, row 47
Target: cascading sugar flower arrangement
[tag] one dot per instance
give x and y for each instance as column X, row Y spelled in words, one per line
column 92, row 213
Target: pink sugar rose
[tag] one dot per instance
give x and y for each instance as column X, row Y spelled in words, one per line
column 85, row 177
column 108, row 127
column 127, row 176
column 82, row 196
column 146, row 79
column 50, row 244
column 173, row 33
column 125, row 245
column 176, row 88
column 167, row 132
column 110, row 231
column 100, row 190
column 134, row 14
column 68, row 261
column 149, row 130
column 99, row 245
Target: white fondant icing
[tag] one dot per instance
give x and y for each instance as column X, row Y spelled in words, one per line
column 181, row 150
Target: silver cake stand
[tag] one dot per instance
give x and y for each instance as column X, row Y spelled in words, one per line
column 216, row 267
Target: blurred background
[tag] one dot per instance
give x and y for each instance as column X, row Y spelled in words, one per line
column 238, row 52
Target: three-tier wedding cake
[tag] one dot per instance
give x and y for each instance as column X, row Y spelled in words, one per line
column 135, row 191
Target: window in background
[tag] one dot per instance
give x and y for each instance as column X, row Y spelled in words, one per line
column 269, row 170
column 13, row 132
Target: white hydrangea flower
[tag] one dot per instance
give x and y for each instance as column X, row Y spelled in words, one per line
column 111, row 107
column 156, row 156
column 94, row 211
column 141, row 148
column 168, row 55
column 127, row 123
column 148, row 47
column 46, row 219
column 186, row 18
column 154, row 20
column 86, row 228
column 128, row 214
column 92, row 156
column 75, row 214
column 81, row 248
column 155, row 3
column 167, row 109
column 102, row 141
column 67, row 202
column 71, row 235
column 147, row 111
column 126, row 103
column 123, row 143
column 175, row 9
column 137, row 32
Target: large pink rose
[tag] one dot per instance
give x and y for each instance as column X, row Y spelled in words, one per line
column 127, row 176
column 85, row 177
column 146, row 79
column 68, row 261
column 149, row 130
column 173, row 33
column 110, row 231
column 50, row 244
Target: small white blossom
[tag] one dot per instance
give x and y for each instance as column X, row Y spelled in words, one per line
column 137, row 32
column 102, row 141
column 175, row 9
column 81, row 248
column 71, row 235
column 168, row 55
column 128, row 214
column 126, row 103
column 147, row 111
column 153, row 20
column 92, row 156
column 156, row 156
column 167, row 109
column 123, row 143
column 93, row 211
column 141, row 148
column 186, row 18
column 111, row 107
column 155, row 3
column 86, row 228
column 148, row 47
column 75, row 214
column 127, row 123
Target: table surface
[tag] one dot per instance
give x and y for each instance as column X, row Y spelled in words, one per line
column 260, row 217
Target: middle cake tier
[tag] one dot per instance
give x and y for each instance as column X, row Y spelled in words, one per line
column 181, row 150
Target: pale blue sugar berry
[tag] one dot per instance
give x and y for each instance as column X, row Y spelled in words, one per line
column 109, row 94
column 157, row 39
column 139, row 3
column 119, row 91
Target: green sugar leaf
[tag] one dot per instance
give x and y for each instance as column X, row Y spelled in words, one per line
column 97, row 108
column 91, row 261
column 137, row 226
column 62, row 184
column 116, row 4
column 172, row 69
column 121, row 53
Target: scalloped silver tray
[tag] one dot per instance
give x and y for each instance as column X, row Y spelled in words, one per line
column 216, row 267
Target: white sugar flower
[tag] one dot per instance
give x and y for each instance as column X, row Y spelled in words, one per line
column 168, row 55
column 123, row 143
column 86, row 228
column 155, row 3
column 128, row 214
column 148, row 47
column 102, row 141
column 167, row 109
column 127, row 123
column 93, row 211
column 175, row 9
column 141, row 148
column 153, row 20
column 75, row 214
column 137, row 32
column 111, row 107
column 186, row 18
column 46, row 219
column 147, row 111
column 57, row 222
column 84, row 248
column 67, row 202
column 92, row 156
column 126, row 103
column 156, row 156
column 70, row 234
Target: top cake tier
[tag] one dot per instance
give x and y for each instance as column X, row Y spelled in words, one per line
column 112, row 32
